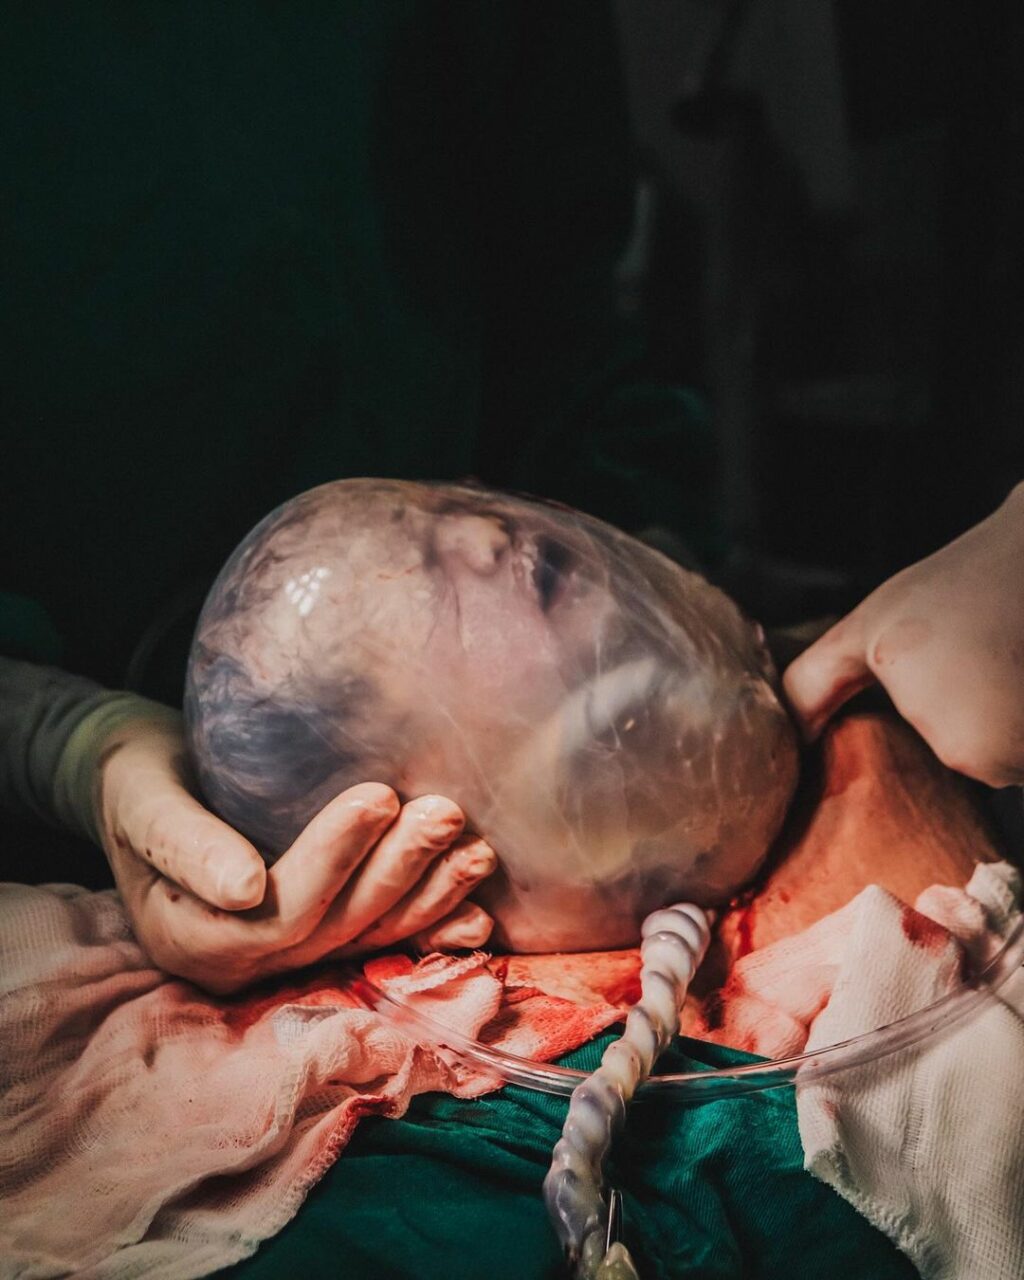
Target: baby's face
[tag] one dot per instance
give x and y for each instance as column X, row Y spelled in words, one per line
column 494, row 600
column 604, row 717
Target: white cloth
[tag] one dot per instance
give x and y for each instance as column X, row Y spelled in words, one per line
column 929, row 1143
column 147, row 1129
column 143, row 1130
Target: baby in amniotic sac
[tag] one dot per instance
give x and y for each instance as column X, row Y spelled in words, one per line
column 606, row 719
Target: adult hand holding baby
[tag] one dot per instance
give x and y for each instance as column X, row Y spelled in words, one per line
column 945, row 638
column 366, row 872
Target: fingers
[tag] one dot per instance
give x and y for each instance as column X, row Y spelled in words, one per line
column 306, row 880
column 826, row 675
column 451, row 879
column 425, row 828
column 406, row 887
column 363, row 869
column 221, row 951
column 465, row 928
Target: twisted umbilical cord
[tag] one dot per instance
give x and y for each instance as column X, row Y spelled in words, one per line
column 674, row 942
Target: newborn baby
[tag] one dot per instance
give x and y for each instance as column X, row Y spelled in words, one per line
column 606, row 720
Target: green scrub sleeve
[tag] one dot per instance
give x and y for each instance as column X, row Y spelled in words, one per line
column 53, row 727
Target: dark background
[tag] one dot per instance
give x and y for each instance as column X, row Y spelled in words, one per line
column 744, row 276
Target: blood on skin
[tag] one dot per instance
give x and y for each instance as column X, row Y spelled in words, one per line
column 628, row 993
column 743, row 906
column 745, row 931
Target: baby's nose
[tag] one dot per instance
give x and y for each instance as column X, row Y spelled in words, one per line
column 476, row 541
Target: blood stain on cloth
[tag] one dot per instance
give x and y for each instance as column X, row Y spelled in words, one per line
column 920, row 931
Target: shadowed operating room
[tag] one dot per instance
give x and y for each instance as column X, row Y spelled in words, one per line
column 512, row 640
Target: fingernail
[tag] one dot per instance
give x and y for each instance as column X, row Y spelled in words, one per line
column 427, row 805
column 359, row 814
column 237, row 890
column 439, row 819
column 375, row 798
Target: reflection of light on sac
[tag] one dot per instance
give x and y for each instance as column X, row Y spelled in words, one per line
column 606, row 719
column 303, row 590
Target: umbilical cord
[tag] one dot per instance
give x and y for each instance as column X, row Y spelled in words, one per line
column 673, row 946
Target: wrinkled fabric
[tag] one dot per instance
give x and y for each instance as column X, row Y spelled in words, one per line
column 149, row 1129
column 452, row 1191
column 177, row 1132
column 925, row 1143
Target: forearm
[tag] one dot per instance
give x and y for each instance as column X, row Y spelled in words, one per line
column 52, row 728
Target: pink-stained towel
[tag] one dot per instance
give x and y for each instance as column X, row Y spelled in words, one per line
column 147, row 1129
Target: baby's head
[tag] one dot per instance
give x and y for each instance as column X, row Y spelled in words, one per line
column 605, row 719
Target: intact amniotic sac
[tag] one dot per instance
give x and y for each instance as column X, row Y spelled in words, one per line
column 607, row 720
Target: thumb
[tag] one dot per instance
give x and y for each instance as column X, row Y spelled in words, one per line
column 826, row 675
column 186, row 843
column 147, row 812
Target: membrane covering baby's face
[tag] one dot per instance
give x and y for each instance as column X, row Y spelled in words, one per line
column 606, row 719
